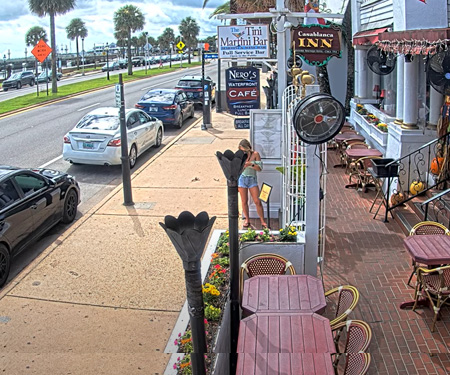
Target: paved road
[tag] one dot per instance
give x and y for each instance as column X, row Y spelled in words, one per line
column 33, row 138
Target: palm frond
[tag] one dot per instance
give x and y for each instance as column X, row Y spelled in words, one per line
column 222, row 9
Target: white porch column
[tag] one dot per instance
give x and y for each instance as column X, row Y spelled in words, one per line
column 361, row 72
column 376, row 80
column 400, row 89
column 410, row 96
column 436, row 100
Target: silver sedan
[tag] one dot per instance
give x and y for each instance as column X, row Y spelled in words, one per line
column 96, row 137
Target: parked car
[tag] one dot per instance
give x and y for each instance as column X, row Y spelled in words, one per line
column 192, row 86
column 17, row 80
column 123, row 63
column 113, row 65
column 138, row 60
column 31, row 202
column 168, row 105
column 43, row 77
column 96, row 137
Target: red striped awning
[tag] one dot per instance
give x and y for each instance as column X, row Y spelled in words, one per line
column 367, row 37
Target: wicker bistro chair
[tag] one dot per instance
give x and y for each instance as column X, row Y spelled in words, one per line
column 356, row 144
column 360, row 170
column 344, row 298
column 264, row 264
column 357, row 335
column 356, row 363
column 426, row 227
column 436, row 284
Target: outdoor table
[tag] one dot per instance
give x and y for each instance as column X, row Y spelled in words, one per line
column 430, row 250
column 284, row 364
column 285, row 333
column 342, row 137
column 357, row 153
column 283, row 294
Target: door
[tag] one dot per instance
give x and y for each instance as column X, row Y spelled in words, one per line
column 182, row 103
column 136, row 132
column 149, row 128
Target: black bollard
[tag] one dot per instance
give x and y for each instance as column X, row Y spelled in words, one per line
column 232, row 165
column 189, row 234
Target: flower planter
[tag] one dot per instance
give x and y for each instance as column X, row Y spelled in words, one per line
column 379, row 136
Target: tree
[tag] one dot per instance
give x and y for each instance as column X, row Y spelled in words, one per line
column 128, row 19
column 189, row 31
column 51, row 8
column 76, row 29
column 135, row 44
column 166, row 38
column 34, row 35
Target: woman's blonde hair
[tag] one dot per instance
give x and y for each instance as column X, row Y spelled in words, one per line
column 245, row 145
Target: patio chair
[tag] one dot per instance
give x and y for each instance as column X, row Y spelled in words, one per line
column 360, row 170
column 344, row 300
column 264, row 264
column 357, row 335
column 356, row 364
column 354, row 144
column 436, row 284
column 426, row 227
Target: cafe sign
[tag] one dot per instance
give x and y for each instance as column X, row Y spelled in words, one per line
column 317, row 44
column 243, row 41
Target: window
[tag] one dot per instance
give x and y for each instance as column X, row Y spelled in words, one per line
column 132, row 121
column 29, row 184
column 8, row 194
column 143, row 118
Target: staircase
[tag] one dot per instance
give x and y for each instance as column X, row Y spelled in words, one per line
column 419, row 188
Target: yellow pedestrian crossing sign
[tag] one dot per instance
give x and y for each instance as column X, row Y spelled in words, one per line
column 180, row 45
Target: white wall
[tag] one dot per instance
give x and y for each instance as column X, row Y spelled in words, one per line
column 415, row 15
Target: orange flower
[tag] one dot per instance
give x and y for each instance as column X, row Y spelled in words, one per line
column 183, row 365
column 214, row 255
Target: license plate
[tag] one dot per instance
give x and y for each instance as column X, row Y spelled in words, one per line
column 153, row 109
column 88, row 145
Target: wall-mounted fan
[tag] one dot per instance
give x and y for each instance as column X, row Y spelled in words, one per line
column 380, row 62
column 438, row 72
column 318, row 118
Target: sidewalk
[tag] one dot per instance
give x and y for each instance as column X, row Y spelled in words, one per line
column 104, row 298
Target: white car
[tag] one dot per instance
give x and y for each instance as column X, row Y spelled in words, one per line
column 96, row 137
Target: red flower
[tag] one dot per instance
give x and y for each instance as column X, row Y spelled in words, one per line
column 217, row 267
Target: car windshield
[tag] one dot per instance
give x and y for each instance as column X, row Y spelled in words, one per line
column 159, row 97
column 189, row 83
column 15, row 76
column 100, row 122
column 44, row 73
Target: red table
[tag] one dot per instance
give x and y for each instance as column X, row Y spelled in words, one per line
column 284, row 364
column 285, row 333
column 283, row 293
column 431, row 250
column 341, row 137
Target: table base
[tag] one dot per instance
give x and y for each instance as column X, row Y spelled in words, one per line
column 422, row 302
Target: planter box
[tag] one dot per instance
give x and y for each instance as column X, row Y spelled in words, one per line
column 379, row 136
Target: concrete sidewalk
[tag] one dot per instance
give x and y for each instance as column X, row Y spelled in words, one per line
column 104, row 298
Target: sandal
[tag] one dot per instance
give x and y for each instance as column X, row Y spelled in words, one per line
column 264, row 226
column 246, row 225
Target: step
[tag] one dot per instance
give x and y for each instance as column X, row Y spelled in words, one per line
column 406, row 219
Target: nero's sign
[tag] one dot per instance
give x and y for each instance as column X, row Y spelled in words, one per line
column 242, row 85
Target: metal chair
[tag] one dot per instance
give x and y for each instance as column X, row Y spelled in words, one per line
column 436, row 284
column 355, row 144
column 360, row 170
column 345, row 298
column 358, row 335
column 426, row 227
column 264, row 264
column 356, row 363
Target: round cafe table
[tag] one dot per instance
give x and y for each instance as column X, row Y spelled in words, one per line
column 341, row 137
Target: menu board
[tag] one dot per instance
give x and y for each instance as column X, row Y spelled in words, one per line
column 266, row 128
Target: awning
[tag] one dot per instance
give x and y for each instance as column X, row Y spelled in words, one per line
column 414, row 42
column 367, row 37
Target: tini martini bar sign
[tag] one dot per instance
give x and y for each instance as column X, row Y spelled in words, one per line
column 243, row 41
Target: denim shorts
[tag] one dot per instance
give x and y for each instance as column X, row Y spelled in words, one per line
column 247, row 181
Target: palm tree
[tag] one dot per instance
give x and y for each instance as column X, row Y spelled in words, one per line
column 128, row 19
column 167, row 37
column 189, row 30
column 51, row 8
column 76, row 29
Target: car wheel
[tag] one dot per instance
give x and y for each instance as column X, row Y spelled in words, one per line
column 133, row 156
column 179, row 124
column 5, row 89
column 19, row 85
column 5, row 264
column 70, row 206
column 158, row 140
column 32, row 83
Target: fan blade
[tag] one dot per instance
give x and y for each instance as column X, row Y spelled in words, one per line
column 436, row 78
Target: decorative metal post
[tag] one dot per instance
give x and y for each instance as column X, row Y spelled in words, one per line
column 232, row 165
column 189, row 234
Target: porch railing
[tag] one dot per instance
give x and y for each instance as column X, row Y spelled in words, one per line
column 437, row 208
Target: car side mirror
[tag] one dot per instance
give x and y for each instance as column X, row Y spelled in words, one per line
column 51, row 183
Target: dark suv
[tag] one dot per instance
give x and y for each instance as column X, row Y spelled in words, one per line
column 17, row 80
column 192, row 86
column 138, row 60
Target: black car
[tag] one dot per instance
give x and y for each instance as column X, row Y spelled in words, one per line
column 192, row 86
column 138, row 60
column 17, row 80
column 31, row 202
column 171, row 106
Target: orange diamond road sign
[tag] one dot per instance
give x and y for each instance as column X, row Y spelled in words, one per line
column 41, row 50
column 206, row 46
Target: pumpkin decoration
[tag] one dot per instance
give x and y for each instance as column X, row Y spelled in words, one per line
column 397, row 198
column 416, row 187
column 436, row 165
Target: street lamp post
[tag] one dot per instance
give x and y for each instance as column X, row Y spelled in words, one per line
column 82, row 53
column 26, row 60
column 4, row 65
column 170, row 54
column 107, row 61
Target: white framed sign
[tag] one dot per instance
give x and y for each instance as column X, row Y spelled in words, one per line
column 266, row 129
column 243, row 41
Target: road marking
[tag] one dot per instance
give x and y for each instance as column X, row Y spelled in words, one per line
column 89, row 106
column 170, row 80
column 50, row 162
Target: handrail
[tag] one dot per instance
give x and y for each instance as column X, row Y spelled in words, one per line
column 437, row 196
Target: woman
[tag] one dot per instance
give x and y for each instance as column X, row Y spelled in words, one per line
column 248, row 182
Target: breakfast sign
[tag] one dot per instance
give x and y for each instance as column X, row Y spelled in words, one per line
column 317, row 44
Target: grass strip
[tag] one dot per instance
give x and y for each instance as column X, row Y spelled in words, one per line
column 79, row 87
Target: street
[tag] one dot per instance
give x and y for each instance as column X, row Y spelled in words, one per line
column 34, row 137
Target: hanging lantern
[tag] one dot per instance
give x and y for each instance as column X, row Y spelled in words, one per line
column 436, row 165
column 416, row 187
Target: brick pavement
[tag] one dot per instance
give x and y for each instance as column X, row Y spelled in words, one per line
column 370, row 255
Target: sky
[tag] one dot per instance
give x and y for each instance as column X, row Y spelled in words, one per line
column 16, row 19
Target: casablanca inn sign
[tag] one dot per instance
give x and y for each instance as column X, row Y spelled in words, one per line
column 317, row 44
